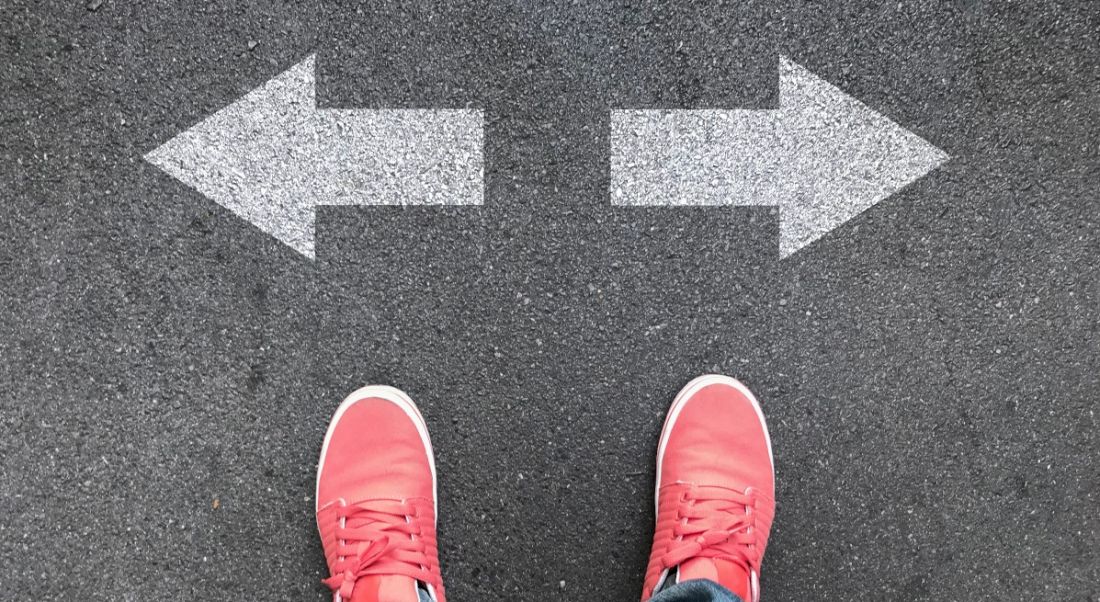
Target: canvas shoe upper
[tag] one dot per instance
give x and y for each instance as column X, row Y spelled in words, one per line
column 376, row 500
column 715, row 489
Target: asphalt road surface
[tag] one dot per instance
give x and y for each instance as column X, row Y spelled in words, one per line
column 930, row 369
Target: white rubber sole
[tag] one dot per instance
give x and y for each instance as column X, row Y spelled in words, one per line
column 401, row 400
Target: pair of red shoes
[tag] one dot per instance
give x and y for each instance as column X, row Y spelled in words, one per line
column 376, row 495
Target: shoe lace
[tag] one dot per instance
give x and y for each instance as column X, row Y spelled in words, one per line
column 383, row 537
column 715, row 522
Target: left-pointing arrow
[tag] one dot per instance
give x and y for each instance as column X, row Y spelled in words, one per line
column 272, row 156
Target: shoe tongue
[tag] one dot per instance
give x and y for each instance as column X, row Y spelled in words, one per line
column 728, row 574
column 385, row 588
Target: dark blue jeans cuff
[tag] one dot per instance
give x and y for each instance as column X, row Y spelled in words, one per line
column 696, row 590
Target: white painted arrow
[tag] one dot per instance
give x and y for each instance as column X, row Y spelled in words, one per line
column 273, row 155
column 822, row 157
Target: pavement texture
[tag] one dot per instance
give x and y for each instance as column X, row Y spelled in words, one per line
column 930, row 370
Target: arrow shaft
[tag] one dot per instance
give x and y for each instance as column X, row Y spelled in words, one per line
column 697, row 157
column 361, row 157
column 392, row 157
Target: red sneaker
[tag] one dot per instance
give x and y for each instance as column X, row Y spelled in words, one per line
column 376, row 501
column 715, row 489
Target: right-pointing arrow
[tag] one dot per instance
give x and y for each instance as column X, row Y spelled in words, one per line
column 822, row 157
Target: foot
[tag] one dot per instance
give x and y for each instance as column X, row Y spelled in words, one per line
column 715, row 490
column 376, row 501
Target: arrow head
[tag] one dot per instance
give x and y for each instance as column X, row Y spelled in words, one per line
column 239, row 157
column 842, row 156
